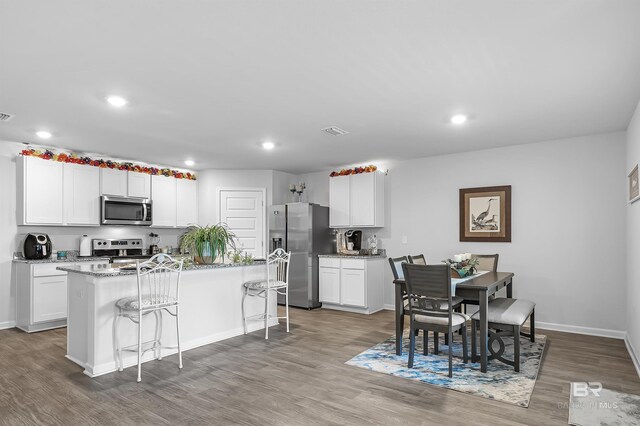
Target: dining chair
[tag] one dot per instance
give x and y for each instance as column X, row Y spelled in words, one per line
column 486, row 262
column 158, row 291
column 431, row 308
column 418, row 259
column 277, row 281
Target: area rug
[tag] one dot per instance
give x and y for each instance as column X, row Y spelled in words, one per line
column 604, row 407
column 500, row 382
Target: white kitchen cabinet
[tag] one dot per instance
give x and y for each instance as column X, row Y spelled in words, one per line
column 354, row 285
column 339, row 202
column 187, row 202
column 122, row 183
column 40, row 190
column 113, row 182
column 329, row 285
column 138, row 185
column 357, row 200
column 81, row 195
column 163, row 196
column 41, row 295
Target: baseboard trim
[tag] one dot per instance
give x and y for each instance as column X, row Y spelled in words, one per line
column 600, row 332
column 389, row 307
column 632, row 353
column 7, row 324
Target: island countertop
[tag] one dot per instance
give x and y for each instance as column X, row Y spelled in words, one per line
column 109, row 270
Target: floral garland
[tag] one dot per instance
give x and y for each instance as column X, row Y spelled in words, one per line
column 105, row 164
column 354, row 171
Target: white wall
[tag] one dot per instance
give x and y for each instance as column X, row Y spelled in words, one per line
column 633, row 244
column 568, row 227
column 8, row 230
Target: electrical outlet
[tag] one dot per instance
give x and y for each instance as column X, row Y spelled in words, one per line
column 404, row 239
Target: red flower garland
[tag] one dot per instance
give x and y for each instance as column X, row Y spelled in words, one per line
column 355, row 171
column 105, row 164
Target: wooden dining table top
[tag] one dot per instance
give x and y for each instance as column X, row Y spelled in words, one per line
column 485, row 281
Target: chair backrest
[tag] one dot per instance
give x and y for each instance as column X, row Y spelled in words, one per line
column 158, row 281
column 487, row 262
column 396, row 266
column 418, row 259
column 429, row 289
column 278, row 267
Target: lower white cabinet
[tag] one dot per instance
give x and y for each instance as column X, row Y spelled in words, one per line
column 354, row 285
column 41, row 291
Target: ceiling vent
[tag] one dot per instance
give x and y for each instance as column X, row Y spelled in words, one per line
column 5, row 117
column 335, row 131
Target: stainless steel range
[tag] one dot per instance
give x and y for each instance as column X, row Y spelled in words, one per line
column 126, row 250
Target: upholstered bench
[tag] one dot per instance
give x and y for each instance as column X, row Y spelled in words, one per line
column 505, row 317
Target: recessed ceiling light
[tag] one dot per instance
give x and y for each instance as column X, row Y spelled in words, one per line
column 268, row 145
column 459, row 119
column 43, row 134
column 189, row 162
column 117, row 101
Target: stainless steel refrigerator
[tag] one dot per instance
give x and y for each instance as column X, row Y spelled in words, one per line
column 303, row 229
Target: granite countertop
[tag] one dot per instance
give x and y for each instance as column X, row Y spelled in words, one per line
column 354, row 256
column 70, row 259
column 109, row 270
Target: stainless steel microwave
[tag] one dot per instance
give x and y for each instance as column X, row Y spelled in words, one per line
column 126, row 211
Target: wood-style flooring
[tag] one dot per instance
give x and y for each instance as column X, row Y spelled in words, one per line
column 298, row 378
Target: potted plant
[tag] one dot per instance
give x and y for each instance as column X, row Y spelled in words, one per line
column 207, row 243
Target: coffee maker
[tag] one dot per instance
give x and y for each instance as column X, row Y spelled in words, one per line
column 353, row 239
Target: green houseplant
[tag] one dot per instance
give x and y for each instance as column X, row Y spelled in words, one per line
column 207, row 243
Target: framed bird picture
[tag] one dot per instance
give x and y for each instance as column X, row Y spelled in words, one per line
column 485, row 214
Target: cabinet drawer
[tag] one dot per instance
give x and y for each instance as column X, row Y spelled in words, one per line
column 47, row 270
column 329, row 262
column 353, row 263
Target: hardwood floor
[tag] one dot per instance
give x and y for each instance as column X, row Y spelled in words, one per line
column 295, row 378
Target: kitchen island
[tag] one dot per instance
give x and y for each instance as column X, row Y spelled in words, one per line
column 210, row 311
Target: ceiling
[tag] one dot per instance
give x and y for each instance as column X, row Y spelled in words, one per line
column 212, row 80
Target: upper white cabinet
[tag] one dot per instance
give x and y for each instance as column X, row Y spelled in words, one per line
column 187, row 202
column 81, row 195
column 356, row 200
column 138, row 185
column 122, row 183
column 39, row 191
column 175, row 202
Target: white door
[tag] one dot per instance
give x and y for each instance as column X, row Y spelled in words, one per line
column 339, row 201
column 187, row 200
column 244, row 212
column 363, row 205
column 353, row 288
column 113, row 182
column 330, row 285
column 49, row 298
column 42, row 192
column 138, row 185
column 81, row 195
column 163, row 196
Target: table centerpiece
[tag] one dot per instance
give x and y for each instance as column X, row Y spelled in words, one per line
column 462, row 265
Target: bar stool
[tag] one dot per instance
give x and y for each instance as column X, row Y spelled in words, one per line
column 158, row 287
column 277, row 281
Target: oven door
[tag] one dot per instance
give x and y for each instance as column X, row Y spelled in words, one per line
column 126, row 211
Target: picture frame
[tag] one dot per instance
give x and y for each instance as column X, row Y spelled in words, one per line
column 634, row 185
column 485, row 214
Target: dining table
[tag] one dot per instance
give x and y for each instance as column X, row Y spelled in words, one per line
column 478, row 287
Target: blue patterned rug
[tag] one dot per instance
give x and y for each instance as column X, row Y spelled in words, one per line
column 500, row 382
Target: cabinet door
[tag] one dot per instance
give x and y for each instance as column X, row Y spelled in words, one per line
column 187, row 202
column 353, row 287
column 138, row 185
column 81, row 195
column 113, row 182
column 49, row 298
column 329, row 285
column 163, row 196
column 42, row 195
column 339, row 201
column 363, row 205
